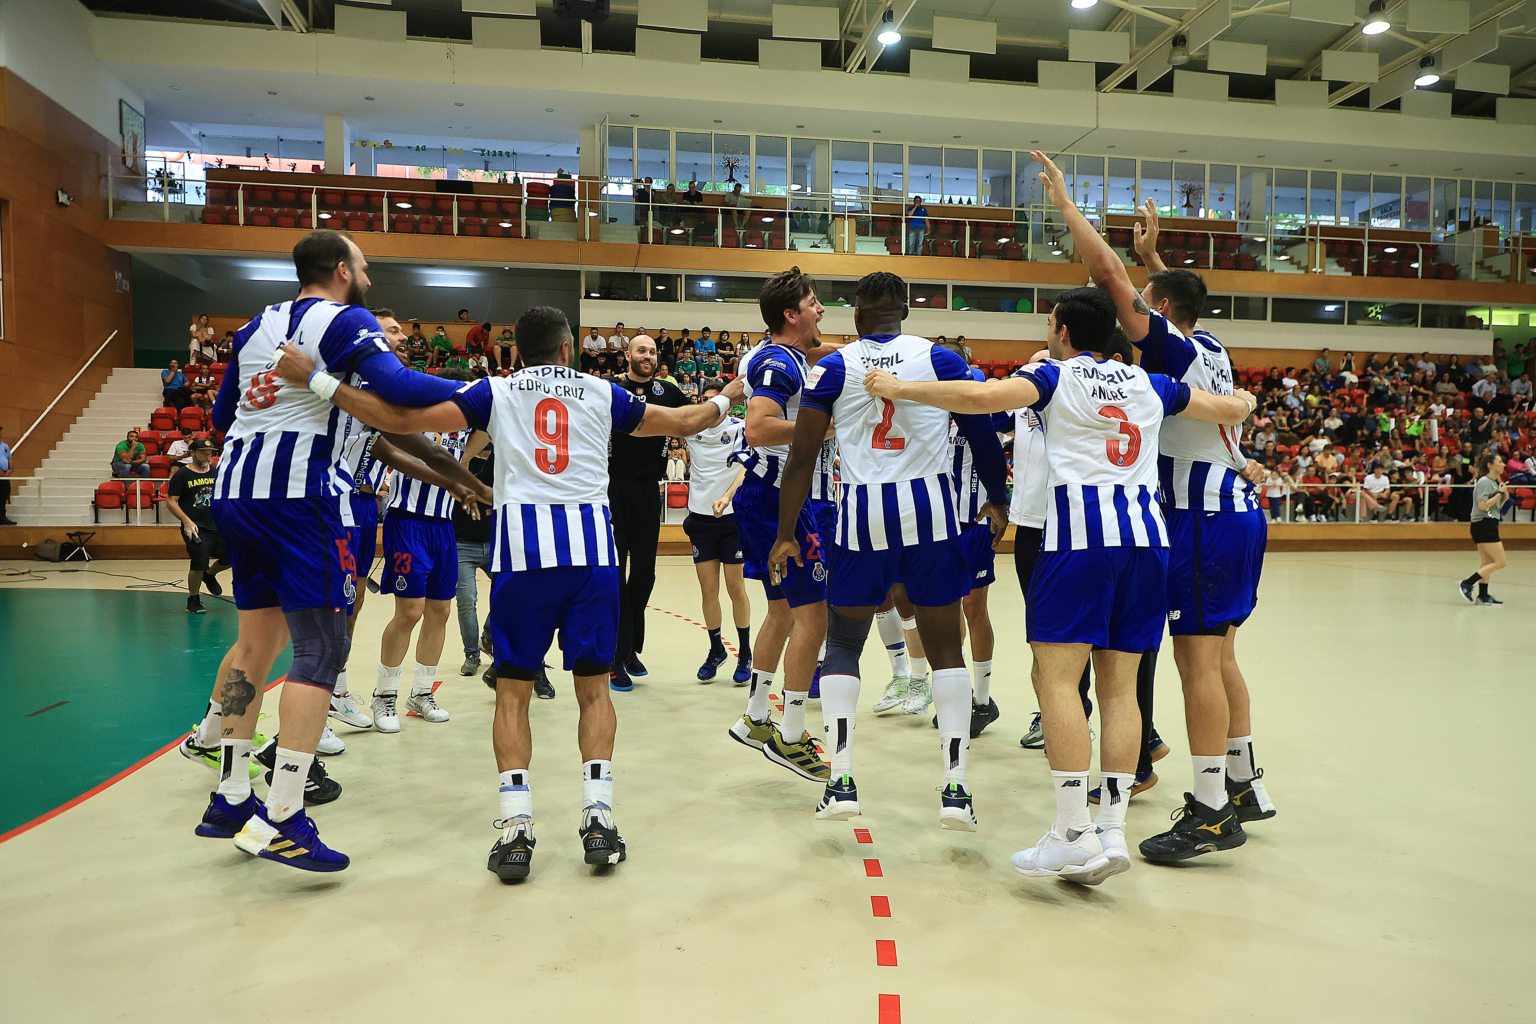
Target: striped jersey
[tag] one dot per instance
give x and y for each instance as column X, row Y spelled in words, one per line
column 1200, row 464
column 423, row 499
column 776, row 371
column 1031, row 472
column 712, row 466
column 1102, row 420
column 550, row 425
column 357, row 450
column 969, row 493
column 894, row 457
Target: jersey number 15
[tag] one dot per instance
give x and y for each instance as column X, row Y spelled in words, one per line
column 551, row 425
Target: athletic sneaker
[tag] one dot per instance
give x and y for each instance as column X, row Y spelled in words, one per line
column 896, row 693
column 471, row 664
column 600, row 841
column 346, row 711
column 840, row 801
column 743, row 674
column 1464, row 586
column 1035, row 738
column 618, row 678
column 813, row 692
column 222, row 819
column 983, row 716
column 1118, row 854
column 1196, row 829
column 634, row 666
column 319, row 787
column 294, row 842
column 919, row 697
column 713, row 661
column 386, row 718
column 489, row 678
column 1156, row 748
column 752, row 733
column 330, row 744
column 208, row 757
column 955, row 809
column 1250, row 800
column 542, row 687
column 1488, row 599
column 1141, row 785
column 195, row 606
column 425, row 705
column 512, row 853
column 212, row 585
column 800, row 757
column 1073, row 856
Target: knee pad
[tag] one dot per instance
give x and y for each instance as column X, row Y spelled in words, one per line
column 845, row 643
column 320, row 645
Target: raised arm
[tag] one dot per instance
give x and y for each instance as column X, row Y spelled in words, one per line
column 1103, row 265
column 958, row 396
column 1145, row 238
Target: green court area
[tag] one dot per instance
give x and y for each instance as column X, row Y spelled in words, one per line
column 93, row 681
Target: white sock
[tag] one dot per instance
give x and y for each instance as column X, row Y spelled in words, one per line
column 211, row 729
column 235, row 770
column 981, row 682
column 286, row 797
column 839, row 704
column 757, row 696
column 1114, row 796
column 792, row 725
column 920, row 670
column 597, row 784
column 516, row 795
column 425, row 676
column 1239, row 758
column 956, row 750
column 1071, row 802
column 889, row 624
column 821, row 655
column 341, row 685
column 952, row 701
column 389, row 679
column 1211, row 780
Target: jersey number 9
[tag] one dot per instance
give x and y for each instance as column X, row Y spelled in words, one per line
column 551, row 425
column 1122, row 454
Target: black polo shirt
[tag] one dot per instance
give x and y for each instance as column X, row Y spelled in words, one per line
column 643, row 457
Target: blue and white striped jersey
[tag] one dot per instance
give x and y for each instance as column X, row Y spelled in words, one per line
column 897, row 490
column 775, row 371
column 550, row 425
column 423, row 499
column 1200, row 464
column 357, row 450
column 969, row 493
column 1102, row 420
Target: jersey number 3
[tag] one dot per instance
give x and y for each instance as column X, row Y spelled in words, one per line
column 1122, row 453
column 883, row 439
column 551, row 425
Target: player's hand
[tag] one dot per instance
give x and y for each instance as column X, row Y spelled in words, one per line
column 778, row 559
column 1145, row 236
column 881, row 384
column 718, row 508
column 998, row 516
column 734, row 388
column 1247, row 396
column 293, row 365
column 190, row 529
column 1054, row 181
column 471, row 498
column 1253, row 472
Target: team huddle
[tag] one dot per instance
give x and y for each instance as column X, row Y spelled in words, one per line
column 866, row 484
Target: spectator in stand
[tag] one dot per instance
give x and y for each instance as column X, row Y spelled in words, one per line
column 685, row 363
column 199, row 336
column 692, row 200
column 677, row 459
column 709, row 365
column 740, row 205
column 225, row 349
column 602, row 365
column 725, row 348
column 456, row 361
column 462, row 318
column 5, row 483
column 664, row 372
column 504, row 355
column 688, row 387
column 1486, row 365
column 642, row 194
column 1378, row 486
column 179, row 451
column 1517, row 362
column 416, row 337
column 129, row 457
column 477, row 340
column 618, row 341
column 441, row 347
column 591, row 345
column 666, row 348
column 1425, row 364
column 917, row 226
column 1520, row 388
column 189, row 496
column 684, row 342
column 1484, row 390
column 1322, row 366
column 173, row 387
column 203, row 387
column 1400, row 498
column 705, row 342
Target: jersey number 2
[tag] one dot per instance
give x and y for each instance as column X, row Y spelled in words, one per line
column 883, row 439
column 1122, row 454
column 551, row 425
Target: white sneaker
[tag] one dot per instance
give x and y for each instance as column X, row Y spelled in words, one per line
column 896, row 693
column 345, row 710
column 425, row 705
column 1054, row 854
column 918, row 698
column 1113, row 841
column 385, row 717
column 330, row 743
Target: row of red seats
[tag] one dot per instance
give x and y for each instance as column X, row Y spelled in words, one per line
column 985, row 248
column 730, row 238
column 128, row 495
column 155, row 442
column 167, row 419
column 357, row 220
column 1205, row 241
column 343, row 199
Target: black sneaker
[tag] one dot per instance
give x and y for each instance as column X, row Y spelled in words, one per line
column 983, row 716
column 601, row 843
column 512, row 856
column 490, row 676
column 1196, row 829
column 542, row 687
column 1250, row 800
column 1488, row 599
column 1465, row 586
column 634, row 666
column 618, row 678
column 212, row 585
column 195, row 606
column 319, row 788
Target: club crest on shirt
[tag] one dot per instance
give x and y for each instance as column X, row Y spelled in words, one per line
column 657, row 389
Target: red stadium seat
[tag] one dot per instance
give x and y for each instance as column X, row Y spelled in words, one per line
column 159, row 466
column 213, row 214
column 404, row 223
column 426, row 224
column 287, row 217
column 163, row 418
column 893, row 245
column 471, row 226
column 729, row 239
column 288, row 196
column 261, row 217
column 138, row 494
column 262, row 193
column 191, row 418
column 1013, row 251
column 677, row 495
column 752, row 239
column 109, row 495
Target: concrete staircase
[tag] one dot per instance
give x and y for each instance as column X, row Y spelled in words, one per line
column 83, row 459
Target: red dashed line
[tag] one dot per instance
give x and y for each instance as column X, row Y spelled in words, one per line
column 862, row 835
column 890, row 1009
column 885, row 952
column 728, row 645
column 872, row 869
column 881, row 905
column 435, row 685
column 885, row 949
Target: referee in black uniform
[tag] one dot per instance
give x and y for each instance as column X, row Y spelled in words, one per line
column 636, row 465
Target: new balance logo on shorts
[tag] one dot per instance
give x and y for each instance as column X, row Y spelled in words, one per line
column 1173, row 616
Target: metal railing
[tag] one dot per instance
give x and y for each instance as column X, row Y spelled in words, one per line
column 1349, row 502
column 63, row 391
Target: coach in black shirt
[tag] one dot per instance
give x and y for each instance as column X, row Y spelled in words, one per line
column 636, row 465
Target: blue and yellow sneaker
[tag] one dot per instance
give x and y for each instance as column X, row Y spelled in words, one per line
column 840, row 801
column 222, row 819
column 715, row 659
column 743, row 673
column 293, row 842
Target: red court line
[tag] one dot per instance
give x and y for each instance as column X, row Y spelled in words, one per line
column 727, row 644
column 890, row 1009
column 114, row 780
column 872, row 869
column 862, row 835
column 885, row 952
column 881, row 905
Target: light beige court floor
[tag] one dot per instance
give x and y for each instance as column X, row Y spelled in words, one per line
column 1392, row 719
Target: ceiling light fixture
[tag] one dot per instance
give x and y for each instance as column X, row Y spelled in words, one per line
column 1390, row 249
column 506, row 224
column 1376, row 19
column 592, row 295
column 407, row 206
column 325, row 216
column 176, row 88
column 1258, row 238
column 1179, row 55
column 1330, row 309
column 1282, row 256
column 676, row 231
column 1083, row 5
column 457, row 103
column 888, row 35
column 1429, row 73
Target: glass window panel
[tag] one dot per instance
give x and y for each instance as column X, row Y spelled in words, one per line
column 1217, row 307
column 604, row 284
column 929, row 295
column 889, row 181
column 1029, row 191
column 850, row 173
column 771, row 175
column 1157, row 185
column 1464, row 207
column 1443, row 214
column 1045, row 298
column 695, row 158
column 1355, row 199
column 733, row 162
column 960, row 174
column 1454, row 317
column 1221, row 194
column 1253, row 194
column 1525, row 209
column 835, row 293
column 662, row 287
column 1307, row 311
column 621, row 152
column 1376, row 314
column 654, row 155
column 997, row 177
column 925, row 172
column 1416, row 204
column 1088, row 185
column 1189, row 188
column 720, row 288
column 1250, row 307
column 1502, row 194
column 1323, row 195
column 1482, row 207
column 809, row 168
column 1386, row 201
column 997, row 300
column 1120, row 185
column 1290, row 197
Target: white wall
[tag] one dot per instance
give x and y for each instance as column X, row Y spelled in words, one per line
column 51, row 45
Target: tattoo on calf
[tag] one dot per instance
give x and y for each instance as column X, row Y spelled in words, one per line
column 237, row 694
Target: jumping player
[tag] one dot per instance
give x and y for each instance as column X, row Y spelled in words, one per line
column 896, row 522
column 553, row 539
column 711, row 528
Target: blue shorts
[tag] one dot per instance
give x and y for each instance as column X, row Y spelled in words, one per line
column 365, row 513
column 580, row 602
column 980, row 559
column 757, row 527
column 1214, row 562
column 1114, row 598
column 290, row 552
column 935, row 574
column 421, row 556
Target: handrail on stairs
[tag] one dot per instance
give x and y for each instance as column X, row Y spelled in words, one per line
column 64, row 391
